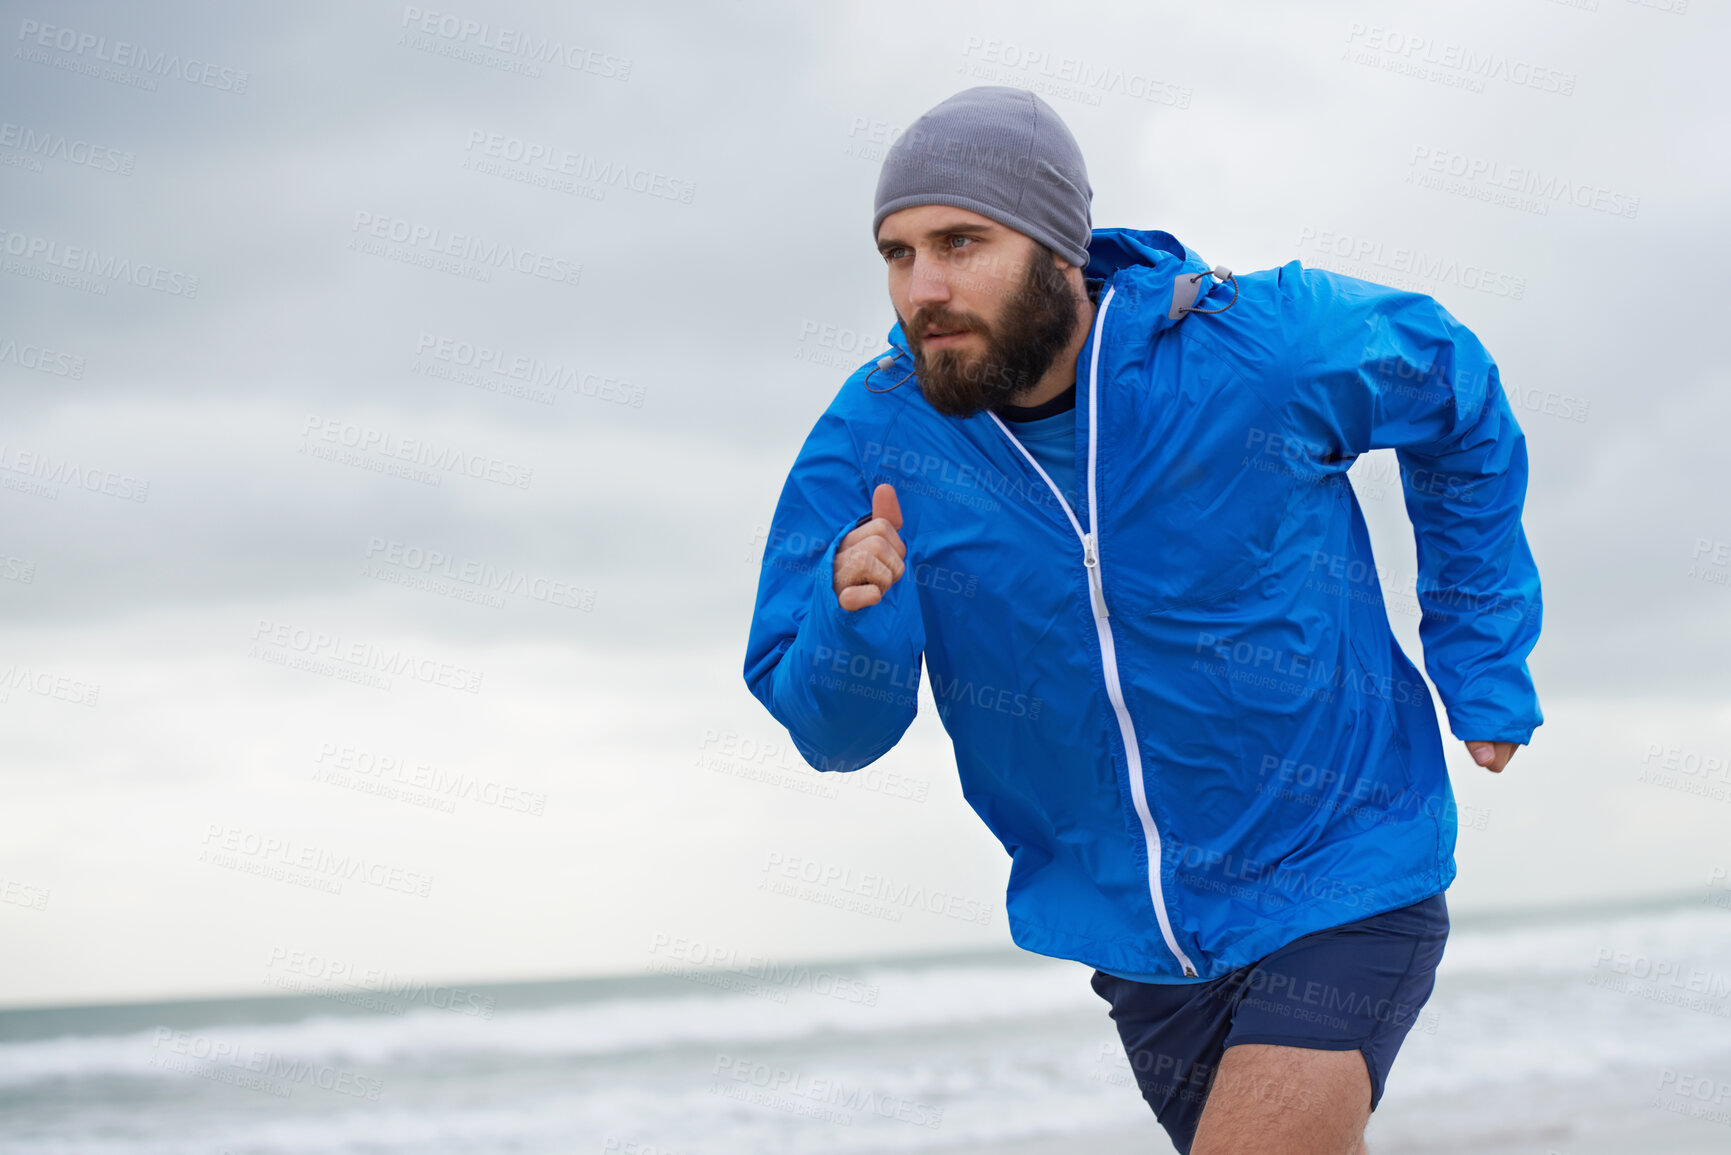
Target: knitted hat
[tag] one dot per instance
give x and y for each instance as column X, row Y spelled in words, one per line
column 1001, row 152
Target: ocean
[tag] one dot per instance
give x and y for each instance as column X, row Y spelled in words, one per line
column 1569, row 1032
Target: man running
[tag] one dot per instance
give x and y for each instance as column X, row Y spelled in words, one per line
column 1144, row 592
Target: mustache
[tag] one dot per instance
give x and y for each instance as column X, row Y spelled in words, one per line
column 943, row 322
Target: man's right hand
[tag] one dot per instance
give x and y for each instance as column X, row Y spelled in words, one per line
column 869, row 559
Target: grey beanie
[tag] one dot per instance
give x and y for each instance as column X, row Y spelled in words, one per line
column 1001, row 152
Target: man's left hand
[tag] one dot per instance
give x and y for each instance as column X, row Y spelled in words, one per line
column 1493, row 756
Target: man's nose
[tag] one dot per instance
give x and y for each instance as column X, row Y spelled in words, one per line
column 928, row 285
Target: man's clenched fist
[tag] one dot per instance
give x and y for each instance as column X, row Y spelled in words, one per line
column 1493, row 756
column 869, row 559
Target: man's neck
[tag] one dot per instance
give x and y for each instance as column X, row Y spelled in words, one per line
column 1062, row 373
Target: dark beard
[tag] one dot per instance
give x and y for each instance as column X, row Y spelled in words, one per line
column 1038, row 323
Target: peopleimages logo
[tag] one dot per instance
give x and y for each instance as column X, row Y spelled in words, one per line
column 225, row 845
column 50, row 473
column 1391, row 264
column 697, row 960
column 880, row 888
column 540, row 377
column 461, row 32
column 47, row 144
column 435, row 242
column 40, row 359
column 276, row 1073
column 1427, row 58
column 309, row 972
column 1533, row 190
column 89, row 46
column 45, row 254
column 581, row 167
column 388, row 447
column 478, row 574
column 361, row 656
column 48, row 685
column 1070, row 77
column 797, row 1093
column 376, row 769
column 36, row 898
column 963, row 482
column 1684, row 985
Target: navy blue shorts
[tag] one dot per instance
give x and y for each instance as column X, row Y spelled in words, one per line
column 1354, row 987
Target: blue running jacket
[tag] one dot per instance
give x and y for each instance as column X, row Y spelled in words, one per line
column 1177, row 700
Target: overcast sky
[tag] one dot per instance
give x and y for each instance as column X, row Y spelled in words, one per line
column 247, row 287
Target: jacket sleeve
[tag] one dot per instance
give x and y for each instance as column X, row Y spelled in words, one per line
column 1374, row 368
column 844, row 683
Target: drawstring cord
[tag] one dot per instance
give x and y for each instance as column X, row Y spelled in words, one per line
column 1219, row 273
column 884, row 364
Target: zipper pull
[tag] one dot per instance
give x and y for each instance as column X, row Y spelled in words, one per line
column 1093, row 563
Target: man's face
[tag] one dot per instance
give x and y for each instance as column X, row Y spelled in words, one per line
column 986, row 309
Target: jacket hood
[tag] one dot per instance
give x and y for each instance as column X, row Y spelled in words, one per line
column 1142, row 265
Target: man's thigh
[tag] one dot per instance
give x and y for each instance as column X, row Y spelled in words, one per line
column 1275, row 1100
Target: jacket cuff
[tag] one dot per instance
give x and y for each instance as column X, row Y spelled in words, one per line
column 1491, row 726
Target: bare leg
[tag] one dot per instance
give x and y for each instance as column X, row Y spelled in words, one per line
column 1269, row 1100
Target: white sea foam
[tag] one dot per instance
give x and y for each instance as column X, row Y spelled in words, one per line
column 907, row 999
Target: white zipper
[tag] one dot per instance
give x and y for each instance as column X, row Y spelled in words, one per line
column 1108, row 651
